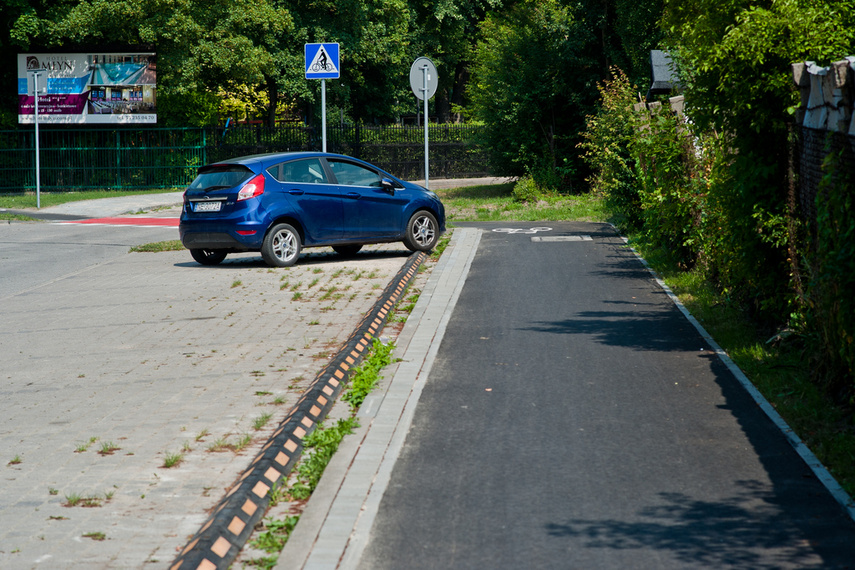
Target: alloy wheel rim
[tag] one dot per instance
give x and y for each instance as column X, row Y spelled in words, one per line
column 283, row 246
column 423, row 231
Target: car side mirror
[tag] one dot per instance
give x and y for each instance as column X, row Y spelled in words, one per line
column 388, row 186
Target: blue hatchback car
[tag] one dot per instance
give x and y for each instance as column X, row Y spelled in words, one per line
column 279, row 203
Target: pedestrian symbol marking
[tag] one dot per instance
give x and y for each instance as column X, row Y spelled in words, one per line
column 322, row 61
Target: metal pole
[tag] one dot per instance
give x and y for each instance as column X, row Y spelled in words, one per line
column 425, row 96
column 38, row 169
column 323, row 115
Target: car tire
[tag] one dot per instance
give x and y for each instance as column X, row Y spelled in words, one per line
column 208, row 256
column 281, row 247
column 422, row 232
column 347, row 250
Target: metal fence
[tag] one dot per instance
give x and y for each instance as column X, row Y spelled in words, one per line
column 126, row 158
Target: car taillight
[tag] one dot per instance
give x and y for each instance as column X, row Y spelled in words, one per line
column 251, row 189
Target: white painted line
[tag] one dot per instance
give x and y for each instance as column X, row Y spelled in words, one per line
column 561, row 238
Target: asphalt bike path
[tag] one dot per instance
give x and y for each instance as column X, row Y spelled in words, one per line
column 572, row 417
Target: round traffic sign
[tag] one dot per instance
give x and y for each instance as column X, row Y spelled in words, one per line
column 422, row 72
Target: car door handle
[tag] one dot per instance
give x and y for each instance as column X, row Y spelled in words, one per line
column 354, row 195
column 296, row 192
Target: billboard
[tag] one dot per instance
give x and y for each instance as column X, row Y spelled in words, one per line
column 107, row 88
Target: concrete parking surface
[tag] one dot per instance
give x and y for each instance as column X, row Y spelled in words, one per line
column 111, row 372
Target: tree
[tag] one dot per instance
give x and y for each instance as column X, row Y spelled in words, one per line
column 734, row 60
column 533, row 83
column 200, row 46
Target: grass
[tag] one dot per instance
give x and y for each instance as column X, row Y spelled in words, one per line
column 495, row 203
column 159, row 246
column 48, row 199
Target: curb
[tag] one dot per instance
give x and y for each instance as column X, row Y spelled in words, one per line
column 221, row 538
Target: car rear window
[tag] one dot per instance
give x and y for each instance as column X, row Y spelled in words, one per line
column 220, row 176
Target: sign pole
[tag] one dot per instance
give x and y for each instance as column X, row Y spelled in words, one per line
column 423, row 82
column 36, row 117
column 427, row 122
column 323, row 115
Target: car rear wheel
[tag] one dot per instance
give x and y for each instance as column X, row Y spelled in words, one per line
column 208, row 256
column 347, row 250
column 281, row 247
column 422, row 232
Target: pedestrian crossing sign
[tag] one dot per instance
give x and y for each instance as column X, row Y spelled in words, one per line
column 322, row 61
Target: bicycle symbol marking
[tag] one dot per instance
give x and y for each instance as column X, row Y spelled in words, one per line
column 322, row 65
column 521, row 230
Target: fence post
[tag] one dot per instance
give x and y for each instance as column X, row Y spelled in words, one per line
column 118, row 161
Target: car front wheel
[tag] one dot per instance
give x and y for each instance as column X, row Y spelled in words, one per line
column 422, row 232
column 208, row 256
column 281, row 247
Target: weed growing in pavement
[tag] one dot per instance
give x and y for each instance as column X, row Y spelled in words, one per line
column 171, row 460
column 77, row 500
column 52, row 491
column 15, row 460
column 202, row 434
column 244, row 441
column 441, row 245
column 275, row 534
column 278, row 400
column 320, row 445
column 296, row 296
column 261, row 421
column 95, row 535
column 82, row 447
column 313, row 283
column 364, row 377
column 108, row 448
column 219, row 445
column 264, row 562
column 236, row 283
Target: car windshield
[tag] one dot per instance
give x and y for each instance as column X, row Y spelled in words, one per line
column 220, row 176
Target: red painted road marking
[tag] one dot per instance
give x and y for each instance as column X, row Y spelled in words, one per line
column 135, row 221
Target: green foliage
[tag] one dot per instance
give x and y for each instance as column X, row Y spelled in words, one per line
column 668, row 186
column 831, row 307
column 526, row 190
column 607, row 138
column 274, row 536
column 734, row 59
column 364, row 377
column 531, row 84
column 320, row 445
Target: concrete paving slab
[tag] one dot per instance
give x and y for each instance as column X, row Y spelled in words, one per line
column 109, row 371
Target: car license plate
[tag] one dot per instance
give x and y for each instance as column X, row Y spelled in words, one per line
column 208, row 206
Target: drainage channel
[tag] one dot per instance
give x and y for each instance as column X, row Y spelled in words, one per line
column 222, row 537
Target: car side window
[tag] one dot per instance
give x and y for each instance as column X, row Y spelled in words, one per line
column 307, row 171
column 350, row 174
